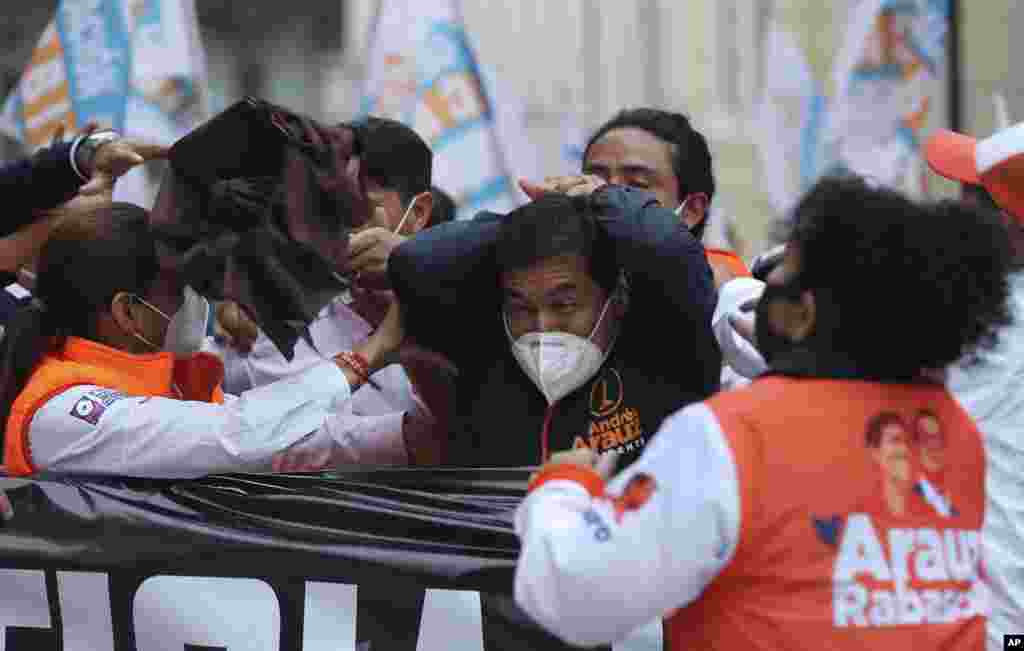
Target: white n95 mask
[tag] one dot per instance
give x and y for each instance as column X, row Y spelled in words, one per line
column 186, row 330
column 558, row 362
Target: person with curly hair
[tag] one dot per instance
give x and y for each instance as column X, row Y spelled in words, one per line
column 755, row 531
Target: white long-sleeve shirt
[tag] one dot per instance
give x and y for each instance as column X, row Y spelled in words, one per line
column 992, row 392
column 95, row 430
column 367, row 428
column 741, row 361
column 592, row 571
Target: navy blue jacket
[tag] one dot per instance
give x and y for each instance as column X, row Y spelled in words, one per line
column 44, row 181
column 664, row 358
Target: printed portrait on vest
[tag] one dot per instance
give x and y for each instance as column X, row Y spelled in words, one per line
column 889, row 442
column 930, row 441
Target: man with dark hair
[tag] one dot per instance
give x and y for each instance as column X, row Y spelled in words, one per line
column 990, row 171
column 756, row 532
column 574, row 322
column 661, row 152
column 398, row 165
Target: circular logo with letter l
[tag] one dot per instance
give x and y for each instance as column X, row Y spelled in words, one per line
column 606, row 395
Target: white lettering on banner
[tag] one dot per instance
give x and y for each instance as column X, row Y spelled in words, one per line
column 244, row 614
column 451, row 619
column 87, row 623
column 915, row 557
column 239, row 614
column 329, row 622
column 23, row 594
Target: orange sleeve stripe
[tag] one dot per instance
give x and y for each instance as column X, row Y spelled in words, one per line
column 587, row 477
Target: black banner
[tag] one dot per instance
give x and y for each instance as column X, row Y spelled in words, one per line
column 368, row 560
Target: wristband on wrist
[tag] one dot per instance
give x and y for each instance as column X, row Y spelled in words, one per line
column 83, row 151
column 359, row 365
column 74, row 157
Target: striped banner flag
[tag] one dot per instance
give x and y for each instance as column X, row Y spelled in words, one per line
column 422, row 72
column 136, row 66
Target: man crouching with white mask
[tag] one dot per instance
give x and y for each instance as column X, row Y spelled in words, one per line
column 532, row 308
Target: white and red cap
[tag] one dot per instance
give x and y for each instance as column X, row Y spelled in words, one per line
column 995, row 163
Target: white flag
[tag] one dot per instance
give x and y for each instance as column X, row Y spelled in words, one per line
column 136, row 66
column 510, row 116
column 890, row 64
column 422, row 72
column 789, row 121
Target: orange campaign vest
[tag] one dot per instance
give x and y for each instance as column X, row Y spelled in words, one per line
column 841, row 544
column 729, row 260
column 81, row 361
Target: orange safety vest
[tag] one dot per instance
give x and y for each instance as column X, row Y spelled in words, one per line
column 81, row 361
column 842, row 544
column 729, row 260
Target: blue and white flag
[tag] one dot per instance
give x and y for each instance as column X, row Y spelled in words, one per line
column 136, row 66
column 422, row 71
column 890, row 65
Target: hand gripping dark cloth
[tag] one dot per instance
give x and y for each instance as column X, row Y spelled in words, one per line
column 256, row 208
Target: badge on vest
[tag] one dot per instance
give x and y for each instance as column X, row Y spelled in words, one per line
column 92, row 405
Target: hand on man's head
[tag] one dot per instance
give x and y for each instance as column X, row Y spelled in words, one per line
column 575, row 185
column 369, row 251
column 114, row 159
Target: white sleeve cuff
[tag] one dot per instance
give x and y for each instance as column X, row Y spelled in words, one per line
column 368, row 439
